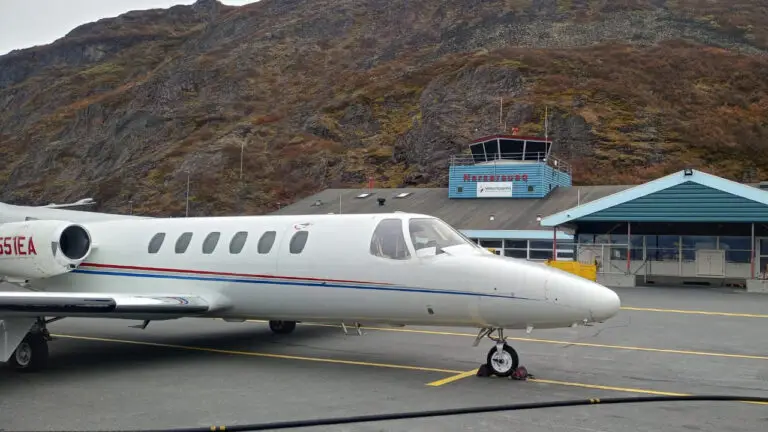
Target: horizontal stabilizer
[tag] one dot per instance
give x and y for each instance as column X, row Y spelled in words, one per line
column 15, row 304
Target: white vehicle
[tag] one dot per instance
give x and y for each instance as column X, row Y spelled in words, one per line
column 393, row 269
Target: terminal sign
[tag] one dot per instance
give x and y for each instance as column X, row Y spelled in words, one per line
column 496, row 178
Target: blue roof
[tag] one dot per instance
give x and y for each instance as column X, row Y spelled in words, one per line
column 672, row 207
column 516, row 234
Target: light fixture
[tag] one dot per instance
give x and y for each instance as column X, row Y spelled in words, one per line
column 688, row 172
column 492, row 217
column 538, row 218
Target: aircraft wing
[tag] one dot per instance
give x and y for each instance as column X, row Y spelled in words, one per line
column 103, row 305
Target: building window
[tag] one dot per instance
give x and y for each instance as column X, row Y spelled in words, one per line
column 516, row 253
column 540, row 255
column 237, row 242
column 540, row 250
column 298, row 241
column 515, row 244
column 210, row 242
column 183, row 242
column 155, row 243
column 388, row 240
column 493, row 244
column 662, row 248
column 516, row 248
column 737, row 249
column 618, row 248
column 691, row 244
column 266, row 241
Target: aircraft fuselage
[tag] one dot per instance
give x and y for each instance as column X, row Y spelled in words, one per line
column 334, row 277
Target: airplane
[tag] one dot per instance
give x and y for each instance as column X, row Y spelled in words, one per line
column 392, row 269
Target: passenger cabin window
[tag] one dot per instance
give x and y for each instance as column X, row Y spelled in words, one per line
column 388, row 240
column 183, row 242
column 298, row 241
column 155, row 243
column 429, row 233
column 267, row 240
column 237, row 243
column 210, row 242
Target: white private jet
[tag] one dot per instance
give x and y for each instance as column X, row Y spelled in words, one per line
column 391, row 269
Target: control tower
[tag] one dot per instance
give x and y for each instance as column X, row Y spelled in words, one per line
column 507, row 166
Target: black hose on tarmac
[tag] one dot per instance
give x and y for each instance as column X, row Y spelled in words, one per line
column 458, row 411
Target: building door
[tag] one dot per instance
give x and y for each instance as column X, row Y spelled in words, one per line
column 761, row 268
column 710, row 262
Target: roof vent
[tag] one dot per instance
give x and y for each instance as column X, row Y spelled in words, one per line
column 381, row 201
column 403, row 194
column 364, row 195
column 763, row 185
column 317, row 203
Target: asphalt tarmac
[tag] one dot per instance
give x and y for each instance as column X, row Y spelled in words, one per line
column 105, row 375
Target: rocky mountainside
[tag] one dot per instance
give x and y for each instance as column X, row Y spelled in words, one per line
column 319, row 93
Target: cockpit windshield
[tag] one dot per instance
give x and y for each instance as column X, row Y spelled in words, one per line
column 434, row 233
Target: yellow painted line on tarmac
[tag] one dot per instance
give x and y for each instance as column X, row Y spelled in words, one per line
column 558, row 342
column 695, row 312
column 453, row 378
column 581, row 385
column 462, row 375
column 259, row 354
column 620, row 389
column 609, row 388
column 457, row 375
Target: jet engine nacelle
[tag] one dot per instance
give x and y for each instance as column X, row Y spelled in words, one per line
column 42, row 248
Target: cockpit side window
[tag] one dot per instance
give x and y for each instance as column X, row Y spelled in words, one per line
column 427, row 233
column 388, row 240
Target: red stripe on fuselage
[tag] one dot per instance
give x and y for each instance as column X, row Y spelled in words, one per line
column 213, row 273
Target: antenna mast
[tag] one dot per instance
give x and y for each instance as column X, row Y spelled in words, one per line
column 501, row 111
column 546, row 131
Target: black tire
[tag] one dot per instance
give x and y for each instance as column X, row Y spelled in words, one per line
column 509, row 361
column 282, row 327
column 31, row 355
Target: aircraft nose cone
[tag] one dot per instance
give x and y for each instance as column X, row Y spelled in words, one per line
column 606, row 304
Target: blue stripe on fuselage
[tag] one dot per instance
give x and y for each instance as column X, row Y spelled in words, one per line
column 293, row 283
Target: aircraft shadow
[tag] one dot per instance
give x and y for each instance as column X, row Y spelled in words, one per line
column 68, row 356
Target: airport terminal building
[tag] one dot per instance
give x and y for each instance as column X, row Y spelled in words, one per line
column 513, row 196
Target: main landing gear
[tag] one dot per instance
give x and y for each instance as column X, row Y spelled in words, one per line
column 282, row 327
column 502, row 360
column 31, row 354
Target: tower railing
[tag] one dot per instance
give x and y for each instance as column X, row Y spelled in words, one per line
column 511, row 158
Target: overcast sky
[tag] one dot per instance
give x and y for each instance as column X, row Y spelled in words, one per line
column 26, row 23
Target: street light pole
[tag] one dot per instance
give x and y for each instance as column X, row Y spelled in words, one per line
column 186, row 213
column 242, row 149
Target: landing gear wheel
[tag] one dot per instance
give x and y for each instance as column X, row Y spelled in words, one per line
column 503, row 363
column 31, row 355
column 282, row 327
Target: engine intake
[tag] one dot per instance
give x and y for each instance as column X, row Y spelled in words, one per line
column 75, row 242
column 24, row 252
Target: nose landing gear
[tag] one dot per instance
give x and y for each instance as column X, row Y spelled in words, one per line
column 502, row 360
